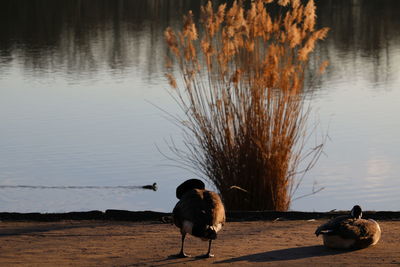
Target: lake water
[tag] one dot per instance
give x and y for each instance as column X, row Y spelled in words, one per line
column 80, row 82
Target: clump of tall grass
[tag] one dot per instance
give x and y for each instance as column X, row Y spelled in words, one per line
column 241, row 88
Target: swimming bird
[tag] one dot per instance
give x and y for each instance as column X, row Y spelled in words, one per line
column 350, row 231
column 199, row 212
column 151, row 187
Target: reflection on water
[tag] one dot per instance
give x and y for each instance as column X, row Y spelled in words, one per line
column 76, row 79
column 365, row 35
column 82, row 38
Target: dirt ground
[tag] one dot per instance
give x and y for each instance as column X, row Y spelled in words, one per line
column 105, row 243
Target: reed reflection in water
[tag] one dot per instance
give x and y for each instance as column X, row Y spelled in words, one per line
column 75, row 78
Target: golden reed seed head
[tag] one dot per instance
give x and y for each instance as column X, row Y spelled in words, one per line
column 189, row 28
column 172, row 41
column 323, row 66
column 295, row 4
column 171, row 80
column 309, row 16
column 310, row 43
column 283, row 2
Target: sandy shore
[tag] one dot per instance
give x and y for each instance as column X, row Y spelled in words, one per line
column 105, row 243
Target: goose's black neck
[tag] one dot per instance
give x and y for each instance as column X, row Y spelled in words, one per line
column 189, row 185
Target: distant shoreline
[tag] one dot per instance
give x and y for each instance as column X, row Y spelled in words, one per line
column 135, row 216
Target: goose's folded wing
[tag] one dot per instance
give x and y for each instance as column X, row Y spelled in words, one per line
column 365, row 228
column 190, row 208
column 331, row 226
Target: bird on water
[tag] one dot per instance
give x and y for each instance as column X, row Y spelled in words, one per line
column 350, row 231
column 199, row 212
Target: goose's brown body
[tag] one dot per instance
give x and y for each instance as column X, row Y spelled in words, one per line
column 199, row 212
column 349, row 232
column 201, row 208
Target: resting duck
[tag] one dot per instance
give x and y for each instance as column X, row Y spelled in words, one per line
column 350, row 231
column 199, row 212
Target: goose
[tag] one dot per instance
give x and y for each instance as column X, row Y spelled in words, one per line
column 199, row 212
column 350, row 231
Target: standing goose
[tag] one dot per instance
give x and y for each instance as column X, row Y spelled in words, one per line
column 198, row 212
column 350, row 231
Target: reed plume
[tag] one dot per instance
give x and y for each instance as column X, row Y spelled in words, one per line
column 240, row 85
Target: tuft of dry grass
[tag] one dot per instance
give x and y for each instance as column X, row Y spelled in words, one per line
column 241, row 87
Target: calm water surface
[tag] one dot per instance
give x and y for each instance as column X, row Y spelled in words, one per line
column 79, row 81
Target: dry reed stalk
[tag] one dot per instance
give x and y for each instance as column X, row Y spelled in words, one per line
column 242, row 76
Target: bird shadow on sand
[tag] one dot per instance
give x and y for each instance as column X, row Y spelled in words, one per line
column 173, row 260
column 286, row 254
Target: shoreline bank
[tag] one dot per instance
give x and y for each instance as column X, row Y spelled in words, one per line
column 232, row 216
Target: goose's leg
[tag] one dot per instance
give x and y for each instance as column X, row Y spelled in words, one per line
column 208, row 255
column 181, row 253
